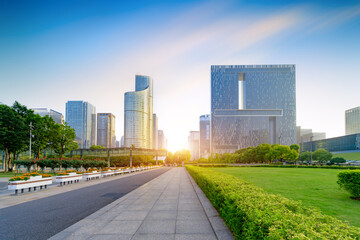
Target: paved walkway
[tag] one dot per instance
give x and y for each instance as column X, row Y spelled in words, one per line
column 168, row 207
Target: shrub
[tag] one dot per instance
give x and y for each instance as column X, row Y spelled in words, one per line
column 65, row 163
column 19, row 178
column 76, row 164
column 337, row 160
column 213, row 165
column 251, row 213
column 350, row 181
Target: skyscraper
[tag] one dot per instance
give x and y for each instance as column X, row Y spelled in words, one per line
column 194, row 144
column 205, row 135
column 155, row 131
column 81, row 116
column 162, row 141
column 352, row 121
column 58, row 117
column 267, row 98
column 138, row 117
column 106, row 130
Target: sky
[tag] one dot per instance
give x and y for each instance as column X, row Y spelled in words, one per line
column 55, row 51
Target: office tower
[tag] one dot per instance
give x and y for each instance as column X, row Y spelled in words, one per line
column 58, row 117
column 205, row 136
column 267, row 98
column 162, row 141
column 194, row 144
column 352, row 121
column 138, row 124
column 81, row 116
column 106, row 130
column 155, row 131
column 117, row 143
column 122, row 141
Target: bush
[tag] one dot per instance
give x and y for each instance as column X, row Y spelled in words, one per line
column 76, row 164
column 251, row 213
column 305, row 166
column 65, row 163
column 350, row 181
column 337, row 160
column 213, row 165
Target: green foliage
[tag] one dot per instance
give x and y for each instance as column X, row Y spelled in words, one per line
column 295, row 147
column 213, row 165
column 76, row 164
column 322, row 155
column 350, row 181
column 251, row 213
column 65, row 163
column 97, row 147
column 52, row 163
column 306, row 166
column 281, row 152
column 26, row 163
column 62, row 140
column 305, row 156
column 178, row 157
column 337, row 160
column 42, row 164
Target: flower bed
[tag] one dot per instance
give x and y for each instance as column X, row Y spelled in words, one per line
column 28, row 181
column 68, row 177
column 105, row 172
column 119, row 171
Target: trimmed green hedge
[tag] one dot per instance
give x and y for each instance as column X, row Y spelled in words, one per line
column 307, row 166
column 213, row 165
column 251, row 213
column 350, row 181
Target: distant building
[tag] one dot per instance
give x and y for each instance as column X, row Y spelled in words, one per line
column 205, row 136
column 304, row 135
column 122, row 141
column 162, row 141
column 58, row 117
column 194, row 144
column 117, row 143
column 265, row 112
column 138, row 117
column 81, row 116
column 345, row 143
column 352, row 121
column 155, row 131
column 106, row 130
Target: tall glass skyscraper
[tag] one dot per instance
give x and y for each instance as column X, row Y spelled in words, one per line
column 205, row 135
column 251, row 105
column 81, row 116
column 58, row 117
column 352, row 121
column 138, row 122
column 106, row 130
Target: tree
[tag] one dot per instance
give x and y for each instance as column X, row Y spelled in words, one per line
column 261, row 151
column 97, row 147
column 62, row 139
column 250, row 154
column 305, row 156
column 281, row 152
column 13, row 133
column 322, row 155
column 337, row 160
column 295, row 147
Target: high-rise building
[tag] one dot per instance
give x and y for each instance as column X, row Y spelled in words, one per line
column 194, row 144
column 81, row 116
column 117, row 143
column 352, row 121
column 106, row 130
column 205, row 136
column 267, row 100
column 122, row 141
column 155, row 131
column 138, row 123
column 58, row 117
column 162, row 141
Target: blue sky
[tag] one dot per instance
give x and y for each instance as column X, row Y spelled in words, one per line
column 54, row 51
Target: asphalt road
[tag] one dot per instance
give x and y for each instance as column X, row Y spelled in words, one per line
column 43, row 218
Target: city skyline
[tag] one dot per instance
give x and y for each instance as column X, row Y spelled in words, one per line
column 96, row 48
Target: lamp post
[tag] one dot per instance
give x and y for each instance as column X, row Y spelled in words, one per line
column 311, row 149
column 31, row 126
column 131, row 148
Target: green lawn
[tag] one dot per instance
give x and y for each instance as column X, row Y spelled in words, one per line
column 314, row 187
column 349, row 156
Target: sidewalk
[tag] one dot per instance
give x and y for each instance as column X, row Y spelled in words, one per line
column 169, row 207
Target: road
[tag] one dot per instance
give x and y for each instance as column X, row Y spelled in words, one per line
column 43, row 218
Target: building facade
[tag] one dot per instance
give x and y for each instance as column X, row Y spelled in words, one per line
column 155, row 132
column 81, row 116
column 106, row 130
column 337, row 144
column 352, row 121
column 251, row 105
column 138, row 117
column 58, row 117
column 194, row 144
column 162, row 141
column 205, row 136
column 304, row 135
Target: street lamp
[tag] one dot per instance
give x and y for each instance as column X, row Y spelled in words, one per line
column 311, row 149
column 31, row 128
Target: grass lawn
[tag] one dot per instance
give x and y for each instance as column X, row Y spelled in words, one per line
column 314, row 187
column 349, row 156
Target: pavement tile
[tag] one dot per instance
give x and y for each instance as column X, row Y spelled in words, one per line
column 161, row 214
column 111, row 237
column 150, row 236
column 191, row 215
column 189, row 207
column 195, row 237
column 157, row 226
column 132, row 215
column 120, row 227
column 193, row 226
column 172, row 206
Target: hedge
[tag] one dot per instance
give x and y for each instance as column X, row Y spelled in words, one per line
column 213, row 165
column 350, row 181
column 251, row 213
